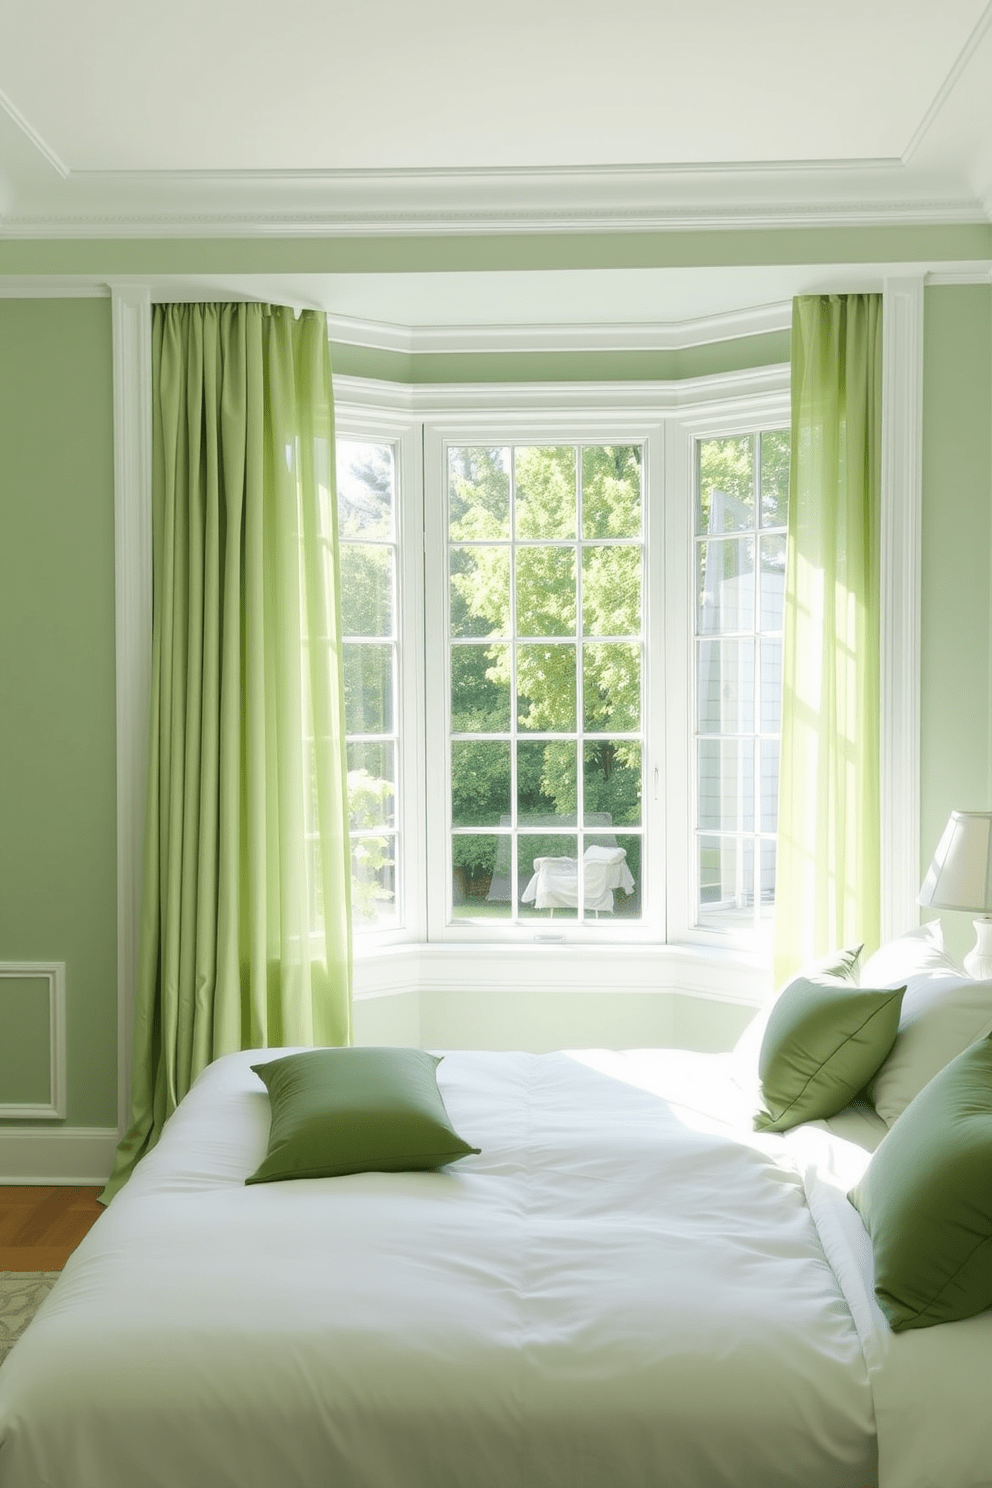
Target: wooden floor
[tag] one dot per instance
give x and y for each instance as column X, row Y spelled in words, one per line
column 41, row 1227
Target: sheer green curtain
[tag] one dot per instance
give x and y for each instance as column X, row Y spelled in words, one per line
column 828, row 871
column 245, row 933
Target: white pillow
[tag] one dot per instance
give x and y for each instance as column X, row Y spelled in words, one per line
column 916, row 951
column 942, row 1013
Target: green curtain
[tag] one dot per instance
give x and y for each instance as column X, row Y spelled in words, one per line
column 245, row 931
column 828, row 868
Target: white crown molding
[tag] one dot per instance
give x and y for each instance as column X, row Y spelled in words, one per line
column 52, row 973
column 975, row 275
column 636, row 398
column 132, row 352
column 900, row 618
column 626, row 198
column 69, row 1155
column 675, row 336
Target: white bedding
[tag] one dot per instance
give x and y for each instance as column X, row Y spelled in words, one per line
column 626, row 1287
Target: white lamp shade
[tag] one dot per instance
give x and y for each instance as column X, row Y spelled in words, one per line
column 960, row 876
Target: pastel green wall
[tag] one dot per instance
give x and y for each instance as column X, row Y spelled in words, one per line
column 563, row 366
column 57, row 800
column 57, row 740
column 469, row 251
column 956, row 669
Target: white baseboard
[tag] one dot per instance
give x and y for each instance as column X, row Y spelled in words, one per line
column 73, row 1155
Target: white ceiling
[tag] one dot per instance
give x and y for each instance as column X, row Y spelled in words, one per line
column 242, row 85
column 241, row 118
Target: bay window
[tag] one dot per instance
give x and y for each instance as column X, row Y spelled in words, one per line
column 562, row 674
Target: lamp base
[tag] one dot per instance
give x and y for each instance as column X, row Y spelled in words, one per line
column 978, row 962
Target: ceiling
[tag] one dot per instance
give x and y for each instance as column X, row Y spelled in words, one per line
column 236, row 118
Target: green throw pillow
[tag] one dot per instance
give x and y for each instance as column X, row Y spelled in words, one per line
column 824, row 1040
column 926, row 1199
column 363, row 1110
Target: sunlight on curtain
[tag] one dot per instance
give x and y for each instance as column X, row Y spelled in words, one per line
column 828, row 877
column 245, row 934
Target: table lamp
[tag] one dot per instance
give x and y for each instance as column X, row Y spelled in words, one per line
column 960, row 877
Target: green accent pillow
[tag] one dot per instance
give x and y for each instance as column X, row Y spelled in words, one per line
column 824, row 1040
column 926, row 1199
column 364, row 1110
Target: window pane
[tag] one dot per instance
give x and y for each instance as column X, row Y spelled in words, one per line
column 480, row 591
column 726, row 883
column 611, row 783
column 726, row 784
column 368, row 688
column 546, row 688
column 611, row 591
column 772, row 582
column 480, row 876
column 726, row 585
column 478, row 493
column 514, row 630
column 545, row 591
column 768, row 804
column 546, row 494
column 366, row 483
column 611, row 687
column 373, row 880
column 371, row 784
column 726, row 484
column 366, row 590
column 480, row 689
column 725, row 687
column 775, row 445
column 546, row 783
column 770, row 651
column 611, row 490
column 480, row 782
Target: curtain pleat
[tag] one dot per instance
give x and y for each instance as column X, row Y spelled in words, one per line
column 828, row 889
column 245, row 934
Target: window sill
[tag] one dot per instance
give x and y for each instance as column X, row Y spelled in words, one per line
column 723, row 974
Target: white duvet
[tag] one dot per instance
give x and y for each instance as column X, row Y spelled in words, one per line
column 627, row 1288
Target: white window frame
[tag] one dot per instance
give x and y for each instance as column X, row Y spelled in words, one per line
column 516, row 428
column 749, row 415
column 374, row 427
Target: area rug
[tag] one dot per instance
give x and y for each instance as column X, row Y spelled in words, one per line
column 21, row 1294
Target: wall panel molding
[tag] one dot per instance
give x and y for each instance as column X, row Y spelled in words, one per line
column 52, row 973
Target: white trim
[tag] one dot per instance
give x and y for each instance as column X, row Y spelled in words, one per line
column 454, row 201
column 133, row 591
column 900, row 634
column 612, row 970
column 72, row 1155
column 671, row 336
column 973, row 274
column 54, row 1109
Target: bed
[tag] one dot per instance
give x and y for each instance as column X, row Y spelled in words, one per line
column 627, row 1285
